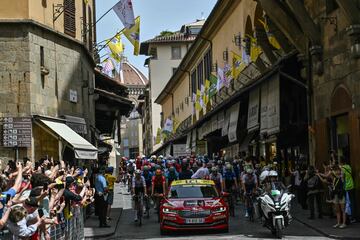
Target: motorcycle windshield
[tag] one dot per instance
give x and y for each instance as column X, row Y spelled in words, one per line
column 277, row 189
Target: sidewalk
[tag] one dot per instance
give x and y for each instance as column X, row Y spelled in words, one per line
column 324, row 225
column 92, row 230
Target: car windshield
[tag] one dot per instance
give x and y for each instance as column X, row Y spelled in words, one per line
column 193, row 191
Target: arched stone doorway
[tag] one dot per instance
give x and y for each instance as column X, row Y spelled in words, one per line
column 340, row 129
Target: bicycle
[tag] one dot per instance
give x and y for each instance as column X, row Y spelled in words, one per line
column 157, row 201
column 250, row 205
column 231, row 203
column 147, row 206
column 139, row 206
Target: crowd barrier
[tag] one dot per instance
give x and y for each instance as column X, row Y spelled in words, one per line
column 72, row 229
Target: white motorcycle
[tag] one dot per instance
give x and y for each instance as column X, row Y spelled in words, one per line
column 274, row 207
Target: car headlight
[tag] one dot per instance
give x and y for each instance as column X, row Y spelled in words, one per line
column 219, row 209
column 168, row 211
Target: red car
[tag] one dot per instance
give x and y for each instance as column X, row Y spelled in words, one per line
column 193, row 204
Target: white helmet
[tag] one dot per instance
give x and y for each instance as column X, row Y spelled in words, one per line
column 273, row 173
column 264, row 175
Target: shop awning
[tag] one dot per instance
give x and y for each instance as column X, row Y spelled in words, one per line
column 82, row 148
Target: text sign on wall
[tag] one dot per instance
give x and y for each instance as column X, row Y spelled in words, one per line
column 15, row 131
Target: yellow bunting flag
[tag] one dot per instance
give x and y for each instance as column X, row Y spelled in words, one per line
column 116, row 48
column 133, row 35
column 270, row 36
column 197, row 101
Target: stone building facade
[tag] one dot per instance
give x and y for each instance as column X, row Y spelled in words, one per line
column 131, row 127
column 47, row 71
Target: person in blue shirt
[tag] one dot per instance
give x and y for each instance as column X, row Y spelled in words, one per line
column 100, row 197
column 171, row 175
column 5, row 193
column 229, row 179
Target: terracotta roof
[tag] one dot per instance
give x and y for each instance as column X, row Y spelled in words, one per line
column 176, row 37
column 130, row 75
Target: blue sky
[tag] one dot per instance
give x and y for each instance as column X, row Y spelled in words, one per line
column 156, row 16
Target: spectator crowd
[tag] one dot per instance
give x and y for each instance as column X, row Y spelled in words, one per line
column 36, row 197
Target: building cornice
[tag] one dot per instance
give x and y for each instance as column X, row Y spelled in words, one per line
column 52, row 31
column 217, row 17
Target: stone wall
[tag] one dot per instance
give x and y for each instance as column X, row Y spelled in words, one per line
column 22, row 91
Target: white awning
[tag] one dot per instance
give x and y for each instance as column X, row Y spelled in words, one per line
column 82, row 148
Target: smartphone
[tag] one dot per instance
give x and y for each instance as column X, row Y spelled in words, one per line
column 41, row 212
column 45, row 186
column 86, row 179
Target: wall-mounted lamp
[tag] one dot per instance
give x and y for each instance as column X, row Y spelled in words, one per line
column 237, row 40
column 214, row 67
column 226, row 55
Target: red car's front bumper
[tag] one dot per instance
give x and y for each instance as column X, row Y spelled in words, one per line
column 173, row 222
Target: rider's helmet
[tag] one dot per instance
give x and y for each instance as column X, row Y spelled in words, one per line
column 264, row 175
column 172, row 169
column 146, row 168
column 137, row 172
column 228, row 167
column 273, row 175
column 158, row 172
column 214, row 170
column 249, row 171
column 157, row 166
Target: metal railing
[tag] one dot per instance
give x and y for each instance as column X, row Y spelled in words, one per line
column 72, row 229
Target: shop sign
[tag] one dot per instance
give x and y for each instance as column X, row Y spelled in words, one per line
column 73, row 96
column 220, row 118
column 225, row 127
column 15, row 131
column 193, row 144
column 179, row 150
column 168, row 150
column 270, row 106
column 253, row 112
column 233, row 121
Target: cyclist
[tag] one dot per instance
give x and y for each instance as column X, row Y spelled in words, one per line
column 138, row 188
column 217, row 178
column 249, row 184
column 171, row 175
column 158, row 188
column 147, row 174
column 185, row 173
column 230, row 185
column 130, row 170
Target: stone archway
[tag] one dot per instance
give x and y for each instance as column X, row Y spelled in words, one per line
column 341, row 100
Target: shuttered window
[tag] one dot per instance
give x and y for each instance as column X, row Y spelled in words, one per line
column 69, row 18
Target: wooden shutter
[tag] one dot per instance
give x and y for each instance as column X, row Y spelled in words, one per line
column 69, row 18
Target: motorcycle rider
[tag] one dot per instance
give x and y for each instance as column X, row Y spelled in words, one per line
column 138, row 187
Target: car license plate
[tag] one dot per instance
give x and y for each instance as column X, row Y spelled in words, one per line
column 194, row 220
